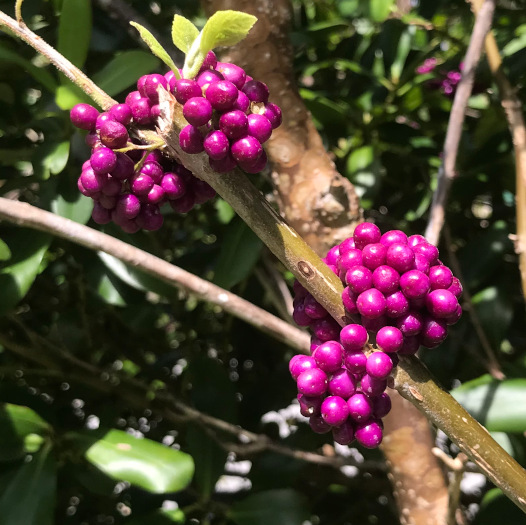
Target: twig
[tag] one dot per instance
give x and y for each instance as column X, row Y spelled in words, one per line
column 446, row 172
column 60, row 62
column 26, row 215
column 457, row 467
column 491, row 361
column 514, row 114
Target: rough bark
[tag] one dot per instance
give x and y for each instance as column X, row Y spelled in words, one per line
column 323, row 207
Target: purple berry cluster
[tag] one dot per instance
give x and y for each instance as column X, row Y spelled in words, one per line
column 228, row 114
column 399, row 293
column 447, row 81
column 130, row 187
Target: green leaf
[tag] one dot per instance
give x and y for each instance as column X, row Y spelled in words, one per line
column 41, row 75
column 5, row 252
column 27, row 248
column 30, row 496
column 51, row 158
column 183, row 33
column 70, row 203
column 286, row 507
column 123, row 70
column 225, row 213
column 156, row 48
column 22, row 431
column 74, row 31
column 69, row 95
column 223, row 28
column 499, row 405
column 159, row 517
column 378, row 10
column 239, row 253
column 209, row 459
column 141, row 462
column 497, row 508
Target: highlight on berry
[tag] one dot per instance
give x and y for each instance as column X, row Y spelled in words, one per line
column 400, row 297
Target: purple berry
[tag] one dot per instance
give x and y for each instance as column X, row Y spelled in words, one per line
column 440, row 277
column 441, row 303
column 359, row 279
column 371, row 303
column 360, row 407
column 393, row 237
column 343, row 434
column 203, row 192
column 434, row 331
column 372, row 386
column 208, row 77
column 379, row 365
column 400, row 257
column 390, row 339
column 413, row 240
column 100, row 214
column 223, row 165
column 313, row 308
column 334, row 410
column 122, row 113
column 318, row 425
column 197, row 111
column 111, row 187
column 410, row 346
column 222, row 95
column 132, row 97
column 210, row 61
column 256, row 91
column 300, row 316
column 349, row 259
column 151, row 84
column 191, row 139
column 103, row 160
column 233, row 73
column 242, row 102
column 410, row 323
column 141, row 111
column 234, row 124
column 153, row 169
column 429, row 251
column 421, row 263
column 366, row 233
column 333, row 255
column 259, row 127
column 150, row 217
column 216, row 145
column 310, row 406
column 369, row 434
column 342, row 383
column 381, row 405
column 312, row 382
column 92, row 182
column 414, row 284
column 385, row 279
column 124, row 167
column 113, row 134
column 355, row 362
column 185, row 89
column 373, row 325
column 353, row 337
column 326, row 329
column 328, row 356
column 246, row 150
column 273, row 113
column 141, row 184
column 456, row 287
column 128, row 206
column 156, row 195
column 396, row 304
column 455, row 317
column 84, row 116
column 373, row 255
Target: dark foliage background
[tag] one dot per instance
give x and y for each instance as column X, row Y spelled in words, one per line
column 81, row 334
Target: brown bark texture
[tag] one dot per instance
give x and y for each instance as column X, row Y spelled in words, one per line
column 322, row 206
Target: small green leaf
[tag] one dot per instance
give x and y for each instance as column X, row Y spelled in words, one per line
column 225, row 28
column 74, row 31
column 70, row 203
column 5, row 252
column 286, row 507
column 156, row 48
column 123, row 71
column 22, row 431
column 69, row 95
column 239, row 253
column 183, row 33
column 159, row 517
column 29, row 497
column 499, row 405
column 28, row 248
column 141, row 462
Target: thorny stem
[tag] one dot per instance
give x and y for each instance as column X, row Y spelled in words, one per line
column 412, row 380
column 446, row 172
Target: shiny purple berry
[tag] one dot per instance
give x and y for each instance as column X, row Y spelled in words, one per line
column 128, row 207
column 191, row 139
column 100, row 214
column 233, row 73
column 150, row 217
column 396, row 304
column 310, row 406
column 440, row 277
column 353, row 337
column 342, row 383
column 385, row 279
column 381, row 405
column 393, row 237
column 410, row 323
column 373, row 255
column 369, row 434
column 299, row 315
column 246, row 150
column 371, row 303
column 390, row 339
column 318, row 425
column 256, row 91
column 313, row 308
column 124, row 167
column 456, row 287
column 216, row 145
column 343, row 434
column 122, row 113
column 328, row 356
column 312, row 382
column 360, row 407
column 103, row 160
column 113, row 134
column 259, row 127
column 414, row 284
column 434, row 331
column 429, row 251
column 379, row 365
column 141, row 111
column 273, row 113
column 84, row 116
column 326, row 329
column 334, row 410
column 413, row 240
column 222, row 95
column 234, row 124
column 400, row 257
column 355, row 362
column 441, row 303
column 359, row 279
column 208, row 77
column 197, row 111
column 372, row 386
column 366, row 233
column 185, row 89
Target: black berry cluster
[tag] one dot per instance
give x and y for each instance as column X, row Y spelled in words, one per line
column 398, row 292
column 228, row 114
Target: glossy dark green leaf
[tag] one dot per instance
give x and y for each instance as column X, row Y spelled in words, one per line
column 123, row 70
column 74, row 31
column 71, row 204
column 141, row 462
column 30, row 495
column 5, row 252
column 19, row 272
column 497, row 508
column 498, row 405
column 23, row 431
column 183, row 33
column 286, row 507
column 240, row 250
column 209, row 458
column 51, row 158
column 38, row 73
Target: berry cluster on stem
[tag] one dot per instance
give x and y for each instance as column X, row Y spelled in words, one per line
column 401, row 296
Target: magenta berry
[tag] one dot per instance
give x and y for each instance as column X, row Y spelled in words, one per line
column 353, row 337
column 256, row 91
column 381, row 405
column 385, row 279
column 366, row 233
column 359, row 279
column 310, row 406
column 222, row 95
column 197, row 111
column 191, row 139
column 371, row 303
column 328, row 356
column 232, row 73
column 369, row 434
column 234, row 124
column 393, row 237
column 312, row 382
column 334, row 410
column 441, row 303
column 400, row 257
column 372, row 386
column 84, row 116
column 246, row 150
column 343, row 434
column 373, row 255
column 103, row 160
column 390, row 339
column 185, row 89
column 414, row 284
column 318, row 425
column 216, row 145
column 342, row 383
column 355, row 362
column 379, row 365
column 360, row 407
column 440, row 277
column 259, row 127
column 113, row 134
